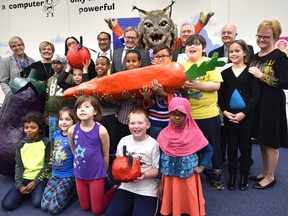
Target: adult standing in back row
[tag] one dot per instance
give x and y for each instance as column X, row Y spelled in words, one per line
column 270, row 66
column 187, row 29
column 70, row 41
column 131, row 37
column 228, row 34
column 104, row 43
column 16, row 65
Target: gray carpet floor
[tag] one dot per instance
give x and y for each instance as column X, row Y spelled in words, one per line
column 270, row 202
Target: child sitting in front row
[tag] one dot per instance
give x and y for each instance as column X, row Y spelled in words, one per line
column 141, row 194
column 89, row 141
column 33, row 164
column 61, row 189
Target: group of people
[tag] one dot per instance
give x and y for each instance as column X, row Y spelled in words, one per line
column 175, row 136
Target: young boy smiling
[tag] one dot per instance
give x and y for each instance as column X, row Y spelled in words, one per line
column 141, row 194
column 33, row 164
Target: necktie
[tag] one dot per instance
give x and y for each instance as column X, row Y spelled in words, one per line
column 123, row 55
column 225, row 52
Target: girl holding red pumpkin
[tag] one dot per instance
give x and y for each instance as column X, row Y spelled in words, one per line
column 140, row 194
column 72, row 42
column 79, row 75
column 89, row 141
column 181, row 141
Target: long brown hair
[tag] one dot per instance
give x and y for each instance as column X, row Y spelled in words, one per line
column 94, row 102
column 245, row 49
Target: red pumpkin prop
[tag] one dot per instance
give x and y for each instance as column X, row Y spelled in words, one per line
column 126, row 168
column 77, row 54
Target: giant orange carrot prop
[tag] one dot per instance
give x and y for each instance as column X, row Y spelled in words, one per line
column 171, row 76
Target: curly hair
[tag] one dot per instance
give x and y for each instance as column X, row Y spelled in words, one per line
column 36, row 117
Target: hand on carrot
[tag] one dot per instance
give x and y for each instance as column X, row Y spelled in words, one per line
column 126, row 95
column 108, row 98
column 146, row 92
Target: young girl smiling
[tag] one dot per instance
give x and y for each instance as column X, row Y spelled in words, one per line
column 238, row 97
column 60, row 188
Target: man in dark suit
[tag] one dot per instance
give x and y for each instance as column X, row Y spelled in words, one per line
column 179, row 55
column 131, row 37
column 104, row 43
column 228, row 34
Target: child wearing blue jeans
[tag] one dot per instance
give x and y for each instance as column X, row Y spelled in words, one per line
column 33, row 164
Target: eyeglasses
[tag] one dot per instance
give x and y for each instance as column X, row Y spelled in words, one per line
column 103, row 39
column 129, row 37
column 263, row 37
column 17, row 45
column 71, row 43
column 179, row 115
column 193, row 44
column 163, row 57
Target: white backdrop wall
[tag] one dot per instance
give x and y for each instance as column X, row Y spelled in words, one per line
column 34, row 22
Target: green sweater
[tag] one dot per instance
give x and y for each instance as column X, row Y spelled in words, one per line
column 54, row 96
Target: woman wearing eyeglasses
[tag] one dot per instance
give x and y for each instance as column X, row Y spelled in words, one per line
column 270, row 66
column 202, row 95
column 16, row 65
column 70, row 41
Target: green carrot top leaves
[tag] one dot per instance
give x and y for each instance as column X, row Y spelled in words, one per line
column 194, row 71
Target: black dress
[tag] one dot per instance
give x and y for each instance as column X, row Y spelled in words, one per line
column 45, row 70
column 272, row 122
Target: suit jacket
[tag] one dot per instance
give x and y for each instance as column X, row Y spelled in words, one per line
column 176, row 52
column 117, row 64
column 9, row 70
column 220, row 51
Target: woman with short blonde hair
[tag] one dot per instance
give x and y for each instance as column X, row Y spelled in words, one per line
column 16, row 65
column 270, row 66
